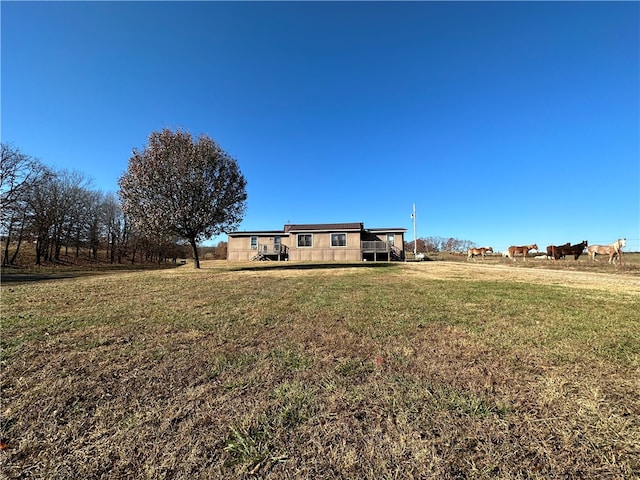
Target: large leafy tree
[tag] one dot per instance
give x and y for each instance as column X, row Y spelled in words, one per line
column 184, row 187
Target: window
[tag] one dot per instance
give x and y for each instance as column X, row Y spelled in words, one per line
column 338, row 239
column 305, row 240
column 391, row 238
column 254, row 243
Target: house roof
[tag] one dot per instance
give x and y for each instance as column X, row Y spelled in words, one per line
column 383, row 230
column 259, row 233
column 317, row 227
column 324, row 227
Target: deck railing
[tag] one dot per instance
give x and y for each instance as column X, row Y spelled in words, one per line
column 374, row 246
column 271, row 249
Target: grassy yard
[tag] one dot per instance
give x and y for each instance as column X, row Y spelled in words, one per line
column 444, row 370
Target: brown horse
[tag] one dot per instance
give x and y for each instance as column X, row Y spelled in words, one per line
column 482, row 252
column 555, row 251
column 575, row 250
column 524, row 251
column 613, row 250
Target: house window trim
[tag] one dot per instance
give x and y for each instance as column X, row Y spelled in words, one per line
column 299, row 235
column 253, row 246
column 346, row 240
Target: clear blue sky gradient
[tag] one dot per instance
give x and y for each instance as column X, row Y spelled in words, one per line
column 505, row 123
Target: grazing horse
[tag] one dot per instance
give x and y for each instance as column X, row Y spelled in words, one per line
column 482, row 252
column 555, row 251
column 613, row 250
column 524, row 251
column 575, row 250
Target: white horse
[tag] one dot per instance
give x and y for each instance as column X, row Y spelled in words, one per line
column 613, row 250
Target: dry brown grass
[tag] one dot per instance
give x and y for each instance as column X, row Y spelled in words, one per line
column 609, row 278
column 432, row 370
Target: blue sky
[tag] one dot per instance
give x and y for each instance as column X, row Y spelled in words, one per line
column 504, row 122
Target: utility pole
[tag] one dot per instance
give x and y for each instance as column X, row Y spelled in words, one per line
column 415, row 237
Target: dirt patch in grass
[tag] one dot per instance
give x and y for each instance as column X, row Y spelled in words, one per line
column 411, row 371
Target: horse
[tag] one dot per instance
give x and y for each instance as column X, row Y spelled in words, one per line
column 575, row 250
column 482, row 251
column 524, row 251
column 613, row 250
column 555, row 251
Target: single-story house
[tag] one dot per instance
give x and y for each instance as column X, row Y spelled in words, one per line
column 322, row 242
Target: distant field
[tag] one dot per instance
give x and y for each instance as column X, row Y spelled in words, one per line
column 440, row 369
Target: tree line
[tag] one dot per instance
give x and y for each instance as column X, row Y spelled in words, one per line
column 439, row 244
column 61, row 213
column 175, row 193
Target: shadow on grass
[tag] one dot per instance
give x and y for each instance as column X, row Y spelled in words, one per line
column 314, row 266
column 11, row 278
column 7, row 278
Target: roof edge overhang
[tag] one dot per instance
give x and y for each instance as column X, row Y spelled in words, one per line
column 316, row 227
column 260, row 233
column 325, row 227
column 382, row 230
